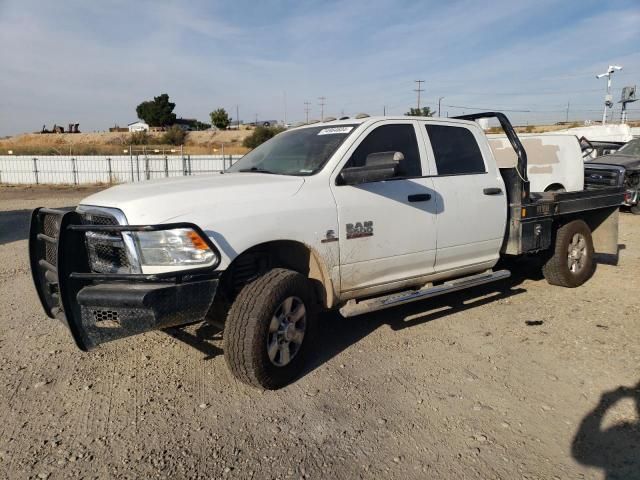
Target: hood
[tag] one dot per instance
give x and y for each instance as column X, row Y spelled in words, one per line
column 628, row 161
column 158, row 201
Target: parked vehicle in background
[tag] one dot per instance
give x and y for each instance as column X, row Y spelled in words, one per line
column 627, row 156
column 359, row 214
column 555, row 162
column 593, row 148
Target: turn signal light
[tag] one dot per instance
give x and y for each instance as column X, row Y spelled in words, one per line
column 197, row 241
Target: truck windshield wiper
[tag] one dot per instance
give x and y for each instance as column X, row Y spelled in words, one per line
column 255, row 169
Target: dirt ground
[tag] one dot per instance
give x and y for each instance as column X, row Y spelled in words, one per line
column 515, row 380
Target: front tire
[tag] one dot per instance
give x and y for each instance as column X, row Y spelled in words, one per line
column 635, row 209
column 268, row 328
column 572, row 262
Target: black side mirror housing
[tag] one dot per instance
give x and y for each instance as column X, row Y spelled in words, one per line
column 368, row 173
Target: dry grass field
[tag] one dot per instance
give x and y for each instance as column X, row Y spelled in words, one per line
column 114, row 143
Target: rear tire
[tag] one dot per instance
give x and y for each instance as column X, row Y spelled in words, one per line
column 268, row 329
column 635, row 209
column 572, row 262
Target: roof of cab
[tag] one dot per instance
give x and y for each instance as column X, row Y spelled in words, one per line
column 377, row 118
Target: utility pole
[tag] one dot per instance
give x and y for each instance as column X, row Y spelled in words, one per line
column 285, row 107
column 384, row 110
column 238, row 117
column 322, row 104
column 256, row 119
column 439, row 100
column 306, row 111
column 568, row 105
column 419, row 89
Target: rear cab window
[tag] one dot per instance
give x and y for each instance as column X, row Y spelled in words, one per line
column 455, row 150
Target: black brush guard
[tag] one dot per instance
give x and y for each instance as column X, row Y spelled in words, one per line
column 100, row 307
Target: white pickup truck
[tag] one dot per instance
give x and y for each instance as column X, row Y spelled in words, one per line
column 358, row 214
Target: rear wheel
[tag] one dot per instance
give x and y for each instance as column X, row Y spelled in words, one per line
column 268, row 328
column 572, row 262
column 635, row 209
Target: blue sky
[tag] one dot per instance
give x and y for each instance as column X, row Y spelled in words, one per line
column 93, row 62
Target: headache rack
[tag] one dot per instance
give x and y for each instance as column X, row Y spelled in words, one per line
column 61, row 273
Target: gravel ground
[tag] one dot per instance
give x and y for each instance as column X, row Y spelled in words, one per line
column 515, row 380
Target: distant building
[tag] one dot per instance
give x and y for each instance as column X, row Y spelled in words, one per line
column 191, row 124
column 138, row 126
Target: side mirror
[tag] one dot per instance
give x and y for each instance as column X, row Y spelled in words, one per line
column 379, row 166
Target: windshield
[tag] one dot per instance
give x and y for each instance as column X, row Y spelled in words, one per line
column 301, row 151
column 631, row 148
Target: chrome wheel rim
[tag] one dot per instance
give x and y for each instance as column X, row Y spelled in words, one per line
column 286, row 331
column 577, row 253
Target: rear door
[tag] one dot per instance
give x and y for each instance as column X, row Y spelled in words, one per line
column 472, row 203
column 387, row 228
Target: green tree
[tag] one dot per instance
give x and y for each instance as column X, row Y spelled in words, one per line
column 220, row 118
column 261, row 135
column 157, row 112
column 420, row 112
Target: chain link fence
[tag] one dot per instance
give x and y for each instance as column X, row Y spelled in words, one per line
column 106, row 169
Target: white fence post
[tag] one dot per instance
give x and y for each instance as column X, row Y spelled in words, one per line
column 35, row 169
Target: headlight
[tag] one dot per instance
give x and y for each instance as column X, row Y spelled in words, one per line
column 178, row 247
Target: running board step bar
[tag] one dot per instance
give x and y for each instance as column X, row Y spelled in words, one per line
column 353, row 308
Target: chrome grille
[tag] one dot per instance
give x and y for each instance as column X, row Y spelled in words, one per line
column 96, row 219
column 107, row 252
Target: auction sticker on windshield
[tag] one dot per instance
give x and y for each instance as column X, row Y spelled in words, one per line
column 334, row 130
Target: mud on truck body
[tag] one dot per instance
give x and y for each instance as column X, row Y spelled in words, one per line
column 358, row 215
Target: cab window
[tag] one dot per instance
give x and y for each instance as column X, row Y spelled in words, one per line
column 456, row 150
column 389, row 139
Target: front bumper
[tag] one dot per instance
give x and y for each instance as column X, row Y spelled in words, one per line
column 101, row 307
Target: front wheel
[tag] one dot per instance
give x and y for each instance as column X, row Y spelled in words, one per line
column 572, row 262
column 635, row 209
column 268, row 328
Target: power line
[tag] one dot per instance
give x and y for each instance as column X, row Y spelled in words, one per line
column 322, row 104
column 419, row 82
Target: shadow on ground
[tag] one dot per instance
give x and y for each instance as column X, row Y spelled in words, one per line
column 14, row 225
column 615, row 449
column 335, row 333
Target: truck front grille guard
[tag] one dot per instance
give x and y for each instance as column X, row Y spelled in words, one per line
column 60, row 264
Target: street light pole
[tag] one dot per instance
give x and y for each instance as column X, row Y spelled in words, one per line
column 608, row 99
column 439, row 100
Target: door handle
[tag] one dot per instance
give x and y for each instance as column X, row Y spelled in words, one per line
column 419, row 197
column 492, row 191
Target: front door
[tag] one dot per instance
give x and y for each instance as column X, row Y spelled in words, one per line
column 387, row 228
